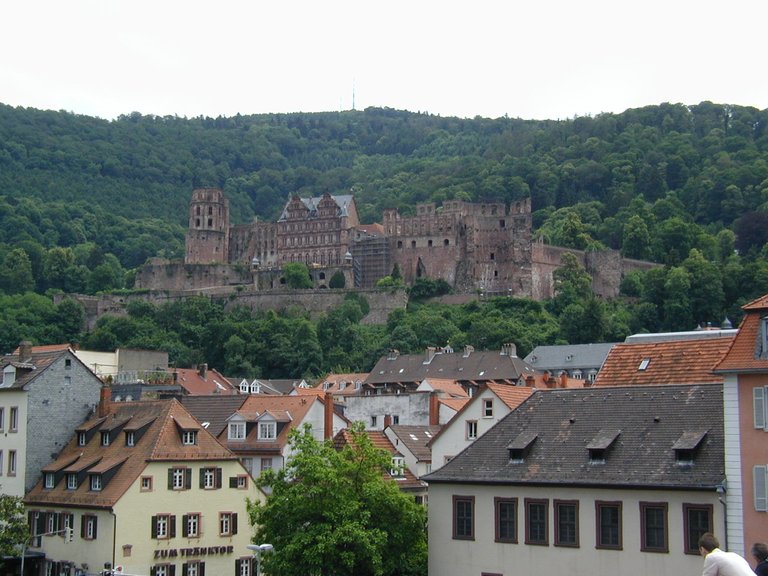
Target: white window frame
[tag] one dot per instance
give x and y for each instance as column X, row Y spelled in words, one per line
column 82, row 439
column 487, row 407
column 193, row 568
column 13, row 419
column 161, row 526
column 398, row 467
column 49, row 479
column 236, row 431
column 267, row 430
column 193, row 521
column 179, row 479
column 245, row 567
column 105, row 438
column 225, row 524
column 189, row 437
column 471, row 430
column 130, row 438
column 146, row 483
column 760, row 487
column 96, row 482
column 209, row 478
column 760, row 407
column 12, row 462
column 161, row 569
column 71, row 481
column 265, row 464
column 90, row 527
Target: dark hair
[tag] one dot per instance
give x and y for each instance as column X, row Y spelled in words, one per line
column 760, row 551
column 709, row 541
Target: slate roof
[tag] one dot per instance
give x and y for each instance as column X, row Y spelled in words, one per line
column 558, row 425
column 160, row 442
column 475, row 367
column 745, row 354
column 666, row 362
column 570, row 356
column 213, row 411
column 415, row 438
column 41, row 359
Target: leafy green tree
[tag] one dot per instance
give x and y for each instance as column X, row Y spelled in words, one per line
column 573, row 285
column 13, row 526
column 297, row 276
column 16, row 273
column 333, row 513
column 636, row 242
column 337, row 280
column 678, row 313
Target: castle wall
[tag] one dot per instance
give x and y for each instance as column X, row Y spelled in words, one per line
column 207, row 237
column 168, row 275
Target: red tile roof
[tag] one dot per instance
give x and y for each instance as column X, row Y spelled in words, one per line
column 743, row 355
column 666, row 362
column 512, row 396
column 162, row 441
column 451, row 387
column 196, row 384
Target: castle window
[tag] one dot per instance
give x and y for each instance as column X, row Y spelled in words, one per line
column 493, row 256
column 210, row 222
column 399, row 243
column 429, row 243
column 210, row 210
column 197, row 211
column 197, row 222
column 502, row 224
column 446, row 242
column 413, row 243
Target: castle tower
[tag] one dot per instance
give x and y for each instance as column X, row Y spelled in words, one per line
column 207, row 238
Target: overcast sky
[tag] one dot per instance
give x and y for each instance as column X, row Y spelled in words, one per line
column 532, row 59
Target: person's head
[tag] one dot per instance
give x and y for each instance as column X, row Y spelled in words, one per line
column 708, row 542
column 760, row 551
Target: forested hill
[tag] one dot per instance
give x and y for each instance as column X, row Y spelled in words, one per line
column 653, row 182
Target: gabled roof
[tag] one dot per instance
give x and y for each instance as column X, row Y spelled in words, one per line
column 499, row 366
column 569, row 356
column 207, row 382
column 455, row 404
column 416, row 438
column 212, row 411
column 342, row 384
column 450, row 387
column 162, row 441
column 37, row 364
column 644, row 424
column 746, row 354
column 667, row 362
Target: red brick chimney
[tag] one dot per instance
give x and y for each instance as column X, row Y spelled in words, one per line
column 563, row 379
column 105, row 402
column 25, row 351
column 434, row 409
column 530, row 381
column 328, row 416
column 387, row 421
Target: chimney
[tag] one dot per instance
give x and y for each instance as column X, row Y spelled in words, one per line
column 508, row 349
column 202, row 370
column 468, row 350
column 430, row 354
column 434, row 409
column 105, row 401
column 530, row 381
column 328, row 416
column 387, row 421
column 25, row 351
column 563, row 379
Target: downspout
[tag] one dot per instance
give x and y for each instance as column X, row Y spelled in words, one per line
column 721, row 489
column 114, row 536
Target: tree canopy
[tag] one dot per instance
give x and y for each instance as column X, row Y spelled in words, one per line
column 333, row 513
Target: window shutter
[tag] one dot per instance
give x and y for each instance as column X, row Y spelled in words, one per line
column 95, row 526
column 233, row 481
column 758, row 401
column 153, row 571
column 154, row 526
column 218, row 477
column 82, row 526
column 172, row 570
column 184, row 527
column 184, row 569
column 234, row 524
column 188, row 474
column 170, row 478
column 201, row 569
column 761, row 497
column 202, row 477
column 172, row 522
column 238, row 563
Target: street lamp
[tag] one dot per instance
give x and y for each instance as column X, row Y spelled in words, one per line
column 257, row 549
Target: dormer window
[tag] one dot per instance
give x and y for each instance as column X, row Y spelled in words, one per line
column 96, row 482
column 130, row 438
column 521, row 446
column 398, row 467
column 81, row 438
column 687, row 446
column 236, row 431
column 600, row 445
column 105, row 438
column 72, row 481
column 267, row 430
column 50, row 480
column 189, row 437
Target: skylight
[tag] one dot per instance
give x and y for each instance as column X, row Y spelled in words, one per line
column 644, row 364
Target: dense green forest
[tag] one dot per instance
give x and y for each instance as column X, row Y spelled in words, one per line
column 85, row 201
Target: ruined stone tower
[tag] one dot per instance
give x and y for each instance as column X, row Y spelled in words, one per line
column 207, row 238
